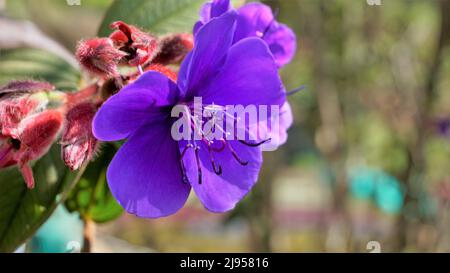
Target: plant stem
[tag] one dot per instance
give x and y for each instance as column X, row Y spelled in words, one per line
column 88, row 235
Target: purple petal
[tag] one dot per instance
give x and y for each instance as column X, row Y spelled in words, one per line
column 211, row 10
column 220, row 193
column 282, row 42
column 205, row 12
column 277, row 135
column 286, row 121
column 253, row 21
column 145, row 175
column 196, row 27
column 136, row 104
column 257, row 19
column 249, row 76
column 212, row 43
column 219, row 7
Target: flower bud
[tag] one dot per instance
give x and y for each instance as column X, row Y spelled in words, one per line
column 173, row 48
column 37, row 132
column 78, row 143
column 30, row 120
column 99, row 56
column 37, row 135
column 140, row 46
column 26, row 86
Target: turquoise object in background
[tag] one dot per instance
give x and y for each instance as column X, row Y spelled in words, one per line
column 62, row 233
column 362, row 182
column 376, row 186
column 388, row 194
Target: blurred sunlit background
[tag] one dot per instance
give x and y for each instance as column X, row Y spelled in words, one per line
column 367, row 159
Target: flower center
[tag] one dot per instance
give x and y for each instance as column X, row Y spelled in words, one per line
column 206, row 128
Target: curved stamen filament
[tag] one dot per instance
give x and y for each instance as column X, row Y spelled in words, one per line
column 217, row 168
column 199, row 169
column 254, row 144
column 199, row 135
column 218, row 150
column 140, row 70
column 295, row 91
column 235, row 155
column 275, row 15
column 183, row 173
column 183, row 168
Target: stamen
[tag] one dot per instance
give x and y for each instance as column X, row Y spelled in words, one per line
column 183, row 173
column 292, row 92
column 213, row 110
column 199, row 169
column 183, row 168
column 141, row 71
column 218, row 170
column 185, row 149
column 254, row 144
column 218, row 150
column 222, row 130
column 232, row 117
column 196, row 128
column 238, row 159
column 275, row 15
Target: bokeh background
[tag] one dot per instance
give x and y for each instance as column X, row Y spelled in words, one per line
column 367, row 159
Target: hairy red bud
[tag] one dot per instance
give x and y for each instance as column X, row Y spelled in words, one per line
column 13, row 110
column 99, row 57
column 78, row 143
column 37, row 133
column 140, row 46
column 27, row 127
column 173, row 48
column 26, row 86
column 18, row 99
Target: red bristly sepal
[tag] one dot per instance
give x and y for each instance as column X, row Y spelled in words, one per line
column 173, row 48
column 140, row 46
column 99, row 57
column 78, row 143
column 30, row 121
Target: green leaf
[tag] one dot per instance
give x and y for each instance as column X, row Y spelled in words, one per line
column 91, row 197
column 157, row 16
column 23, row 211
column 28, row 63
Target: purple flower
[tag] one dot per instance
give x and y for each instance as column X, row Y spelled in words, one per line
column 443, row 127
column 152, row 174
column 255, row 20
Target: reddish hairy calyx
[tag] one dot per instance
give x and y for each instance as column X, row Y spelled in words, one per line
column 31, row 119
